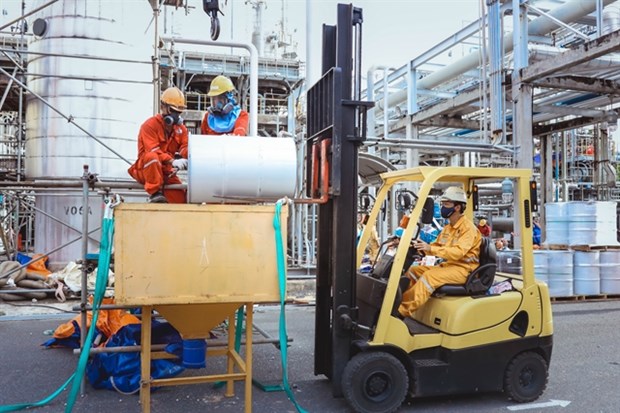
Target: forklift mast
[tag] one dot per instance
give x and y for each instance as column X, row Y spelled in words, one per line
column 336, row 119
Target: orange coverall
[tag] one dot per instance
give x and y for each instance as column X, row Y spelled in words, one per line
column 240, row 128
column 153, row 168
column 459, row 245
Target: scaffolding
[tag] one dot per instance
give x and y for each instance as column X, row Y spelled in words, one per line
column 539, row 91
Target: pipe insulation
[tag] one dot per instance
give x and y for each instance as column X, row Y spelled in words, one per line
column 229, row 169
column 568, row 12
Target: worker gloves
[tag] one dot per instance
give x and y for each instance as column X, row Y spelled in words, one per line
column 180, row 164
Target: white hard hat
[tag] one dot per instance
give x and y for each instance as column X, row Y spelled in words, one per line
column 454, row 194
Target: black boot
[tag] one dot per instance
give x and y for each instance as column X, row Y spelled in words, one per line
column 158, row 198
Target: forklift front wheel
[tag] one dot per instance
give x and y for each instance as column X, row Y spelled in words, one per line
column 375, row 382
column 526, row 377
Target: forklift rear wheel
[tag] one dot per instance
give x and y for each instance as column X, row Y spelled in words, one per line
column 375, row 382
column 526, row 377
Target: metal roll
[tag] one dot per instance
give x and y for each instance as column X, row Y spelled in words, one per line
column 229, row 169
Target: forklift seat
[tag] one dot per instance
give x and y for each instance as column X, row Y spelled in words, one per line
column 480, row 279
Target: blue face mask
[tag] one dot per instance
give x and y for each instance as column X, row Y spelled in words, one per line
column 447, row 212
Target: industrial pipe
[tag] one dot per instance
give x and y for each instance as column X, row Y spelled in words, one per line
column 370, row 95
column 253, row 71
column 568, row 12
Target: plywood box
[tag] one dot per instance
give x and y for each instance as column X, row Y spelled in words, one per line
column 196, row 254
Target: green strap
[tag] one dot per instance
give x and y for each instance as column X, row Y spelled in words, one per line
column 280, row 258
column 105, row 251
column 239, row 329
column 22, row 406
column 107, row 234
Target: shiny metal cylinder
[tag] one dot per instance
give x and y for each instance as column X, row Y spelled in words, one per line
column 108, row 94
column 223, row 169
column 111, row 109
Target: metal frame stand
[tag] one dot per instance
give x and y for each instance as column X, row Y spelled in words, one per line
column 234, row 361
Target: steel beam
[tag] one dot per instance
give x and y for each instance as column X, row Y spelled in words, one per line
column 455, row 122
column 599, row 47
column 569, row 111
column 564, row 125
column 581, row 84
column 439, row 145
column 460, row 101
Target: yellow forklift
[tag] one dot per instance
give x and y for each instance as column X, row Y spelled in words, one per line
column 463, row 340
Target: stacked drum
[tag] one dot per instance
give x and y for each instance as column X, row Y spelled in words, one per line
column 583, row 256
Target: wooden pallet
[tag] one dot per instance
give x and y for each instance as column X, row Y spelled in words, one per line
column 556, row 247
column 588, row 248
column 597, row 297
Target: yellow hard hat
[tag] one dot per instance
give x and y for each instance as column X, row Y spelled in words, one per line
column 482, row 222
column 454, row 194
column 221, row 84
column 174, row 98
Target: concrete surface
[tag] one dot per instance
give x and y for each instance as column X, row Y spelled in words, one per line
column 585, row 369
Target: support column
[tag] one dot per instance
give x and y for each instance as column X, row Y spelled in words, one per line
column 521, row 92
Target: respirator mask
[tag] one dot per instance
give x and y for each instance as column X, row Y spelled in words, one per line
column 173, row 118
column 222, row 104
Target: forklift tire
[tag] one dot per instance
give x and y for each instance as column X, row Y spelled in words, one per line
column 526, row 377
column 374, row 382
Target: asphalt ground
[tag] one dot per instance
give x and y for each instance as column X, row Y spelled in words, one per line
column 585, row 370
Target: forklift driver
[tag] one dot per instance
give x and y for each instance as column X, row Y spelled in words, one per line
column 458, row 245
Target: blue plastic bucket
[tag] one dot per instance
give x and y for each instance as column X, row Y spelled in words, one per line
column 194, row 353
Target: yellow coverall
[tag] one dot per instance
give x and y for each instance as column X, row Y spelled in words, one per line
column 459, row 245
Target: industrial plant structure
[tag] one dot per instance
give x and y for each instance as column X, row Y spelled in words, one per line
column 537, row 88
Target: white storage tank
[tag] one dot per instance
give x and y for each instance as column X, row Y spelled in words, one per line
column 586, row 272
column 109, row 93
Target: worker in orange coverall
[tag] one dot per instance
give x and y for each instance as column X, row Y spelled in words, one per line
column 458, row 244
column 162, row 150
column 224, row 116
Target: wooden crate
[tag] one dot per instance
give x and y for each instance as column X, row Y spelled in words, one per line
column 196, row 254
